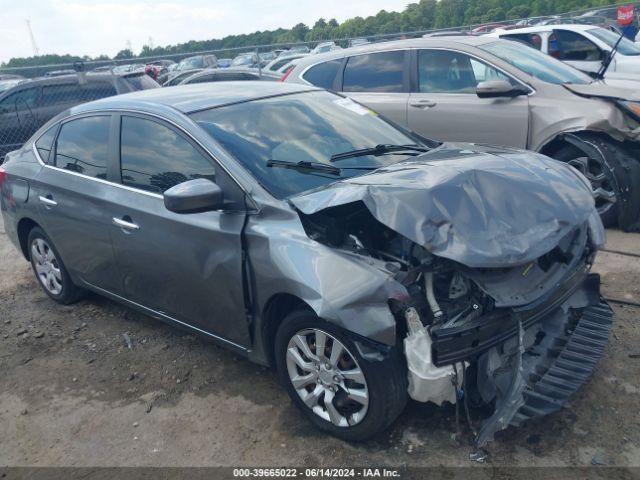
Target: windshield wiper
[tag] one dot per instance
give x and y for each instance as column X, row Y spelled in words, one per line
column 381, row 149
column 607, row 61
column 305, row 165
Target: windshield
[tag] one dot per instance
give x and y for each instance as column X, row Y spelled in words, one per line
column 535, row 63
column 242, row 60
column 302, row 127
column 625, row 47
column 189, row 63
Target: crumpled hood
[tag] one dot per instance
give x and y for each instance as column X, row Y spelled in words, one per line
column 618, row 88
column 480, row 206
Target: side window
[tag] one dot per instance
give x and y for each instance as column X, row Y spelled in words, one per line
column 567, row 45
column 155, row 158
column 444, row 71
column 61, row 94
column 45, row 143
column 323, row 74
column 532, row 39
column 21, row 100
column 375, row 72
column 97, row 90
column 483, row 72
column 83, row 146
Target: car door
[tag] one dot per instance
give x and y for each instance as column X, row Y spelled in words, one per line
column 444, row 105
column 575, row 49
column 185, row 266
column 379, row 80
column 76, row 199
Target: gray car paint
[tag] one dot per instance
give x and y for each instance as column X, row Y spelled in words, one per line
column 552, row 109
column 282, row 259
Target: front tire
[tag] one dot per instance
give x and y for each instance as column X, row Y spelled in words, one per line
column 50, row 270
column 614, row 175
column 338, row 390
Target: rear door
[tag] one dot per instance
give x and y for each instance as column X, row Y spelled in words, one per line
column 76, row 199
column 445, row 105
column 380, row 81
column 186, row 266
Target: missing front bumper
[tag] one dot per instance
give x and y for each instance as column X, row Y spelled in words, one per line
column 536, row 380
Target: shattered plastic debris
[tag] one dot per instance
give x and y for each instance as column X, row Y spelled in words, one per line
column 127, row 340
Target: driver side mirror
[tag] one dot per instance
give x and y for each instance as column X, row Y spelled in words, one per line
column 499, row 89
column 194, row 196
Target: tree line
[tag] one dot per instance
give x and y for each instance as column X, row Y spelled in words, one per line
column 423, row 15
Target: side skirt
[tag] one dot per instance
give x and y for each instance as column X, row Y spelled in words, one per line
column 170, row 320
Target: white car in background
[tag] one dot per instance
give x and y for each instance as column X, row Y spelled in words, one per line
column 325, row 47
column 584, row 47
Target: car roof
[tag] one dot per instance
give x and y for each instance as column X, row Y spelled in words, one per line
column 194, row 97
column 431, row 42
column 547, row 28
column 64, row 79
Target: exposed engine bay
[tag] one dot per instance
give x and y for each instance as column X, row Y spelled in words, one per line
column 470, row 332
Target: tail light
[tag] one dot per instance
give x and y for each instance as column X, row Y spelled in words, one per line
column 286, row 73
column 3, row 176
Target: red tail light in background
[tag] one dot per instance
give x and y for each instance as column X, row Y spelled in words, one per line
column 3, row 175
column 286, row 73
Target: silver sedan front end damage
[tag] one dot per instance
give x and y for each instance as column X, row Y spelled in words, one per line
column 493, row 253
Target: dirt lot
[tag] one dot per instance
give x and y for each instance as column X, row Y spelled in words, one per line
column 72, row 393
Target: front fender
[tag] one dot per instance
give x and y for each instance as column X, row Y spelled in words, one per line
column 349, row 290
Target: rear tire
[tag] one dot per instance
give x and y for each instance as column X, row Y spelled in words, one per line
column 382, row 381
column 618, row 172
column 50, row 270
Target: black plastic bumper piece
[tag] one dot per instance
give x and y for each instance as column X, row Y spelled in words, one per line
column 565, row 363
column 466, row 342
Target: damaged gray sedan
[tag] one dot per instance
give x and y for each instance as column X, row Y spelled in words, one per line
column 294, row 226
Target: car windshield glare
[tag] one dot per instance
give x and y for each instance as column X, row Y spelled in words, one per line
column 301, row 127
column 535, row 63
column 625, row 47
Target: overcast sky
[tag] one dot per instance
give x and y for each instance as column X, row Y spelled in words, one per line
column 84, row 27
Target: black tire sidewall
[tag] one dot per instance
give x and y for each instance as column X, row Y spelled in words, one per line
column 70, row 292
column 381, row 377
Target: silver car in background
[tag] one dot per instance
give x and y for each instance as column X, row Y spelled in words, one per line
column 492, row 91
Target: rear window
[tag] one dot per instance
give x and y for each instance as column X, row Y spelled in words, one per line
column 68, row 93
column 97, row 90
column 375, row 72
column 323, row 74
column 82, row 146
column 141, row 82
column 45, row 143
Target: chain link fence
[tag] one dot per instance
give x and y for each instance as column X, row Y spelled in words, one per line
column 30, row 96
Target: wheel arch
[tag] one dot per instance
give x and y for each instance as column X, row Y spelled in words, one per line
column 25, row 225
column 569, row 138
column 275, row 310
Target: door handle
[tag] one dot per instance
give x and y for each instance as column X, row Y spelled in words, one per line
column 47, row 201
column 423, row 104
column 125, row 224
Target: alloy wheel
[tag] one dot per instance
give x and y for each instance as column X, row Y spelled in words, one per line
column 602, row 187
column 46, row 266
column 327, row 377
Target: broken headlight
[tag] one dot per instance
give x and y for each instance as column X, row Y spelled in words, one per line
column 630, row 108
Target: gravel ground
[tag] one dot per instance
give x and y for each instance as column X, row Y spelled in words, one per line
column 72, row 393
